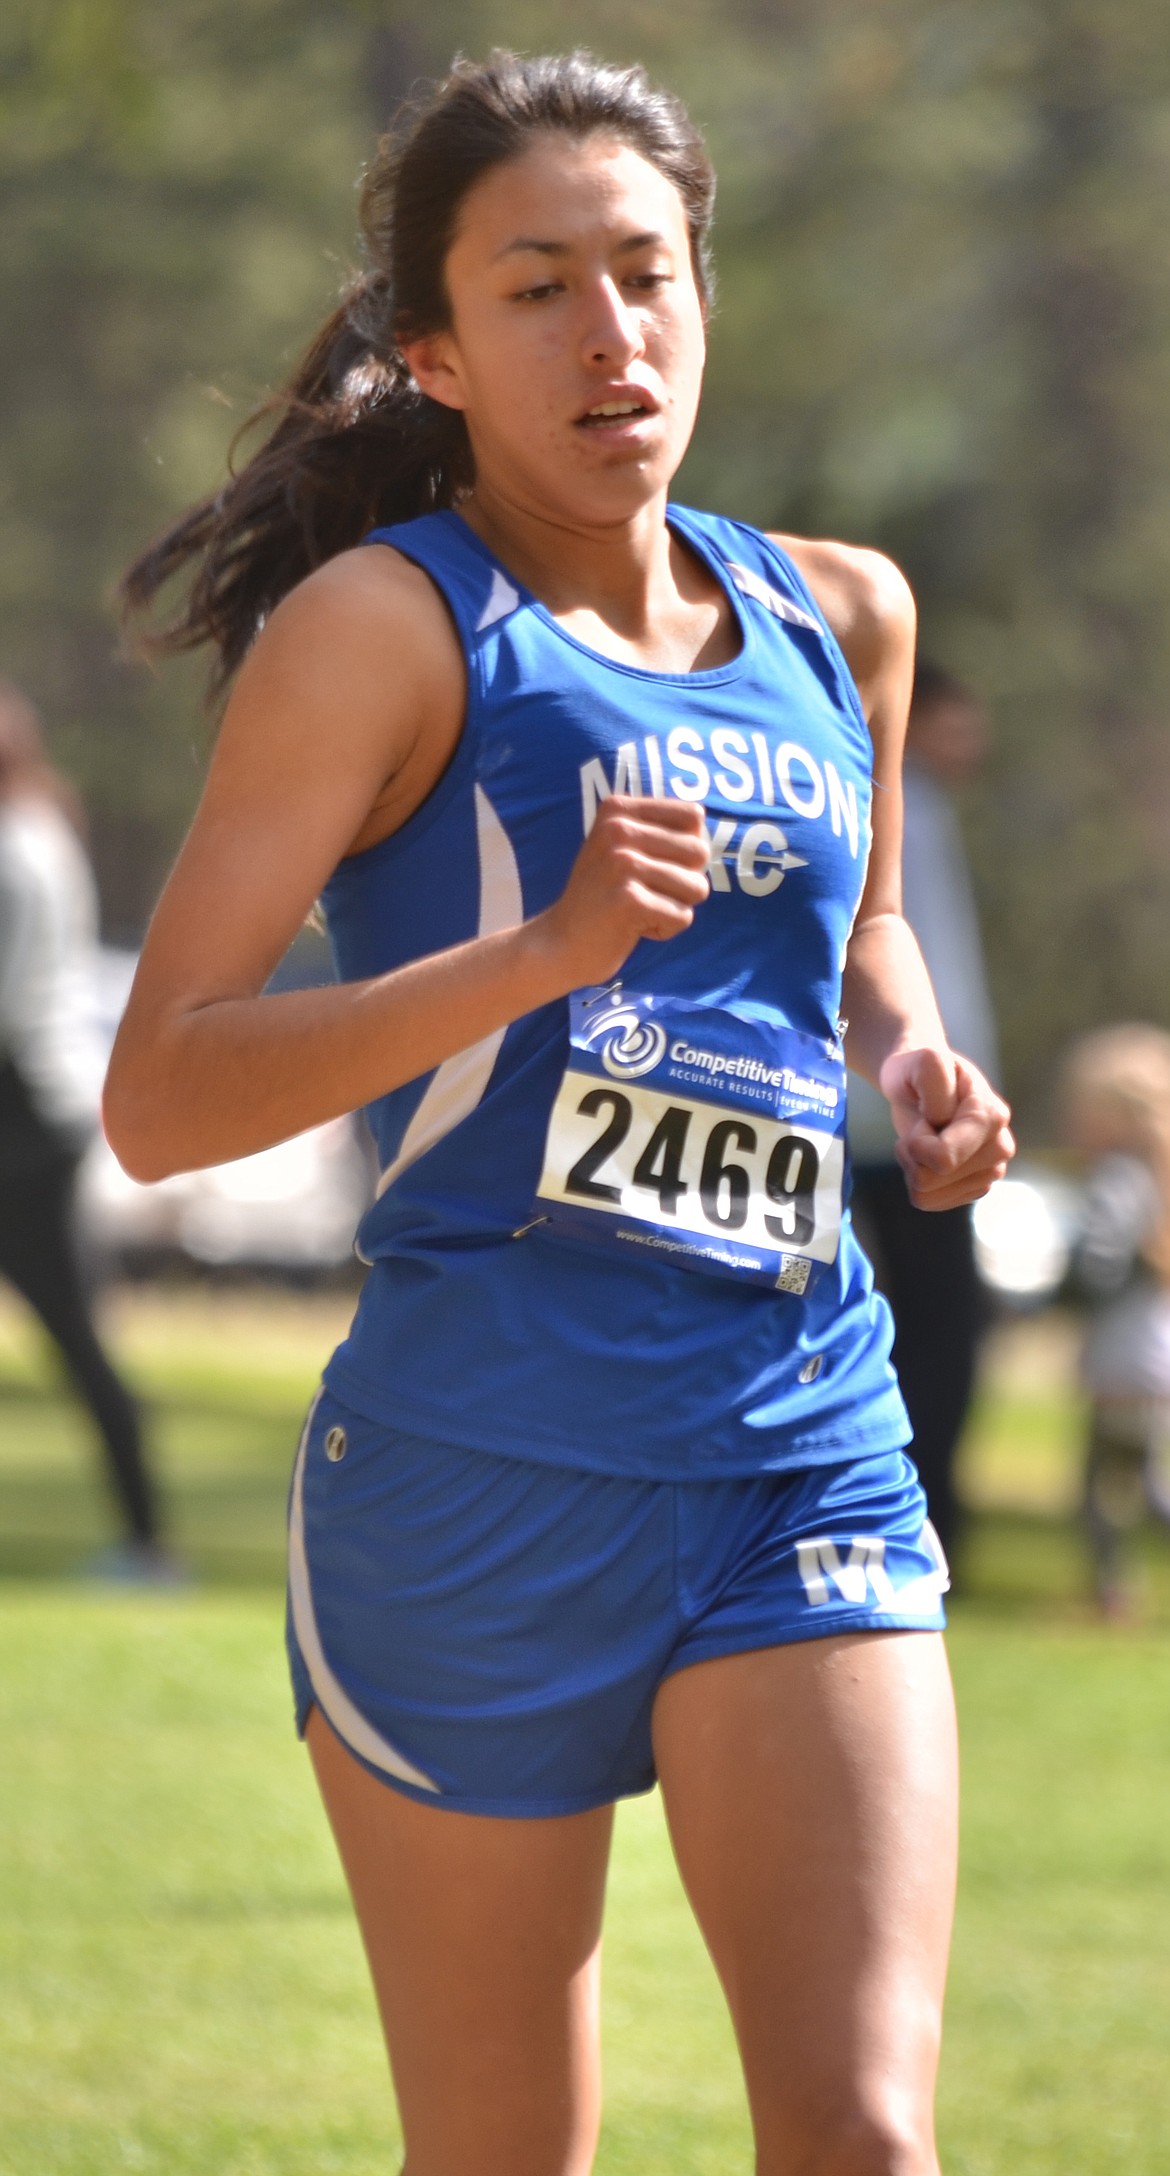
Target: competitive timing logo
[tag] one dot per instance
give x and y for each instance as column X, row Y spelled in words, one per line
column 629, row 1046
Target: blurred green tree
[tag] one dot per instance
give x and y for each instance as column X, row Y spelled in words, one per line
column 178, row 185
column 944, row 329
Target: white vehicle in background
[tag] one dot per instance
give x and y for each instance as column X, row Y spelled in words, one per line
column 1025, row 1230
column 289, row 1209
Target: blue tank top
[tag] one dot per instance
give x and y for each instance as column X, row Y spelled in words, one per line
column 492, row 1317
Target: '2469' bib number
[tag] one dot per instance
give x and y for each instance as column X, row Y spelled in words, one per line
column 697, row 1156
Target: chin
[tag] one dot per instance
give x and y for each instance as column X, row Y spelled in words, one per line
column 634, row 475
column 567, row 491
column 616, row 497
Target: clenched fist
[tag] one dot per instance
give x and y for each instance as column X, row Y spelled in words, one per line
column 954, row 1138
column 641, row 873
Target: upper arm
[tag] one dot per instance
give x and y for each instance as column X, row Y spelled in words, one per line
column 870, row 608
column 352, row 696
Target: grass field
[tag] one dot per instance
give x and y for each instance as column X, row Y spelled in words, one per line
column 181, row 1988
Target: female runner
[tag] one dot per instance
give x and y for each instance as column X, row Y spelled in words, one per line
column 608, row 1481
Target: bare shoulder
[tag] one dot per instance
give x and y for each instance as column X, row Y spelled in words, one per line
column 355, row 613
column 355, row 689
column 866, row 599
column 344, row 714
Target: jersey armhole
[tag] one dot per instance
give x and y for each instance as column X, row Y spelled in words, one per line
column 849, row 684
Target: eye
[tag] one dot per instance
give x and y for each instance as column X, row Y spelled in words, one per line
column 541, row 293
column 649, row 282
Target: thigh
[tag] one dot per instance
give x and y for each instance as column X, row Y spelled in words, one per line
column 483, row 1938
column 811, row 1792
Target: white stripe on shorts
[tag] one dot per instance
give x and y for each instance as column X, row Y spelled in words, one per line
column 335, row 1704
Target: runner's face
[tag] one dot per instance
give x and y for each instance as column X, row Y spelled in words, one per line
column 571, row 289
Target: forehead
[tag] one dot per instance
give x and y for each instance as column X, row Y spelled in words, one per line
column 567, row 191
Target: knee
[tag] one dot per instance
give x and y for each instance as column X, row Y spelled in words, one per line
column 862, row 2140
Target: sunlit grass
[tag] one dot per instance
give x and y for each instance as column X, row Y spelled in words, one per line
column 181, row 1984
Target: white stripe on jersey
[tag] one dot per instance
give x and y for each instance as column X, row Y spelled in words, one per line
column 459, row 1082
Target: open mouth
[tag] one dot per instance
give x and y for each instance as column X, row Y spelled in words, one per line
column 611, row 414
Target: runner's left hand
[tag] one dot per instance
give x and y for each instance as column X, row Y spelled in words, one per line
column 954, row 1136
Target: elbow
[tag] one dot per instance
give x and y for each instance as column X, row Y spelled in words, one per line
column 883, row 918
column 140, row 1157
column 130, row 1124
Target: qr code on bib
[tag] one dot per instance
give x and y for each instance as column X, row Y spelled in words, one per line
column 794, row 1273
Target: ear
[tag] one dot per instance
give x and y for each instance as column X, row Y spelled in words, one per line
column 433, row 364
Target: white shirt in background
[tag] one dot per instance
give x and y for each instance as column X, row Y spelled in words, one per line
column 48, row 947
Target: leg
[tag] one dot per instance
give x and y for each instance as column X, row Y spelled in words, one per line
column 483, row 1938
column 928, row 1274
column 38, row 1252
column 811, row 1792
column 1158, row 1460
column 1114, row 1496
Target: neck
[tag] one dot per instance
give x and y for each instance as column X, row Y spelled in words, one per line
column 622, row 567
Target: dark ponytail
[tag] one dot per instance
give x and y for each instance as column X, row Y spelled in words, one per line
column 353, row 444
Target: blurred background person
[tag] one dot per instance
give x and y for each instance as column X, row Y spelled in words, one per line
column 51, row 1066
column 1116, row 1100
column 926, row 1264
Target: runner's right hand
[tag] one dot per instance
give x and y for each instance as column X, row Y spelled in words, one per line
column 641, row 873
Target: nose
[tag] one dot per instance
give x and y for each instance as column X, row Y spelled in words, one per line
column 614, row 334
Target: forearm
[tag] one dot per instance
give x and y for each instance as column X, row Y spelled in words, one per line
column 202, row 1085
column 886, row 996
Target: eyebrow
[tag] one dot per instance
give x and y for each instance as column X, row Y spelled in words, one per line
column 564, row 249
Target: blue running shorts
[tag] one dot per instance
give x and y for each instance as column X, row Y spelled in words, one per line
column 489, row 1634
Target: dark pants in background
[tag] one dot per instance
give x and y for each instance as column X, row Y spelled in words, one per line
column 924, row 1261
column 40, row 1256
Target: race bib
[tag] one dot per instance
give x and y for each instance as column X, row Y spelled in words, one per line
column 708, row 1137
